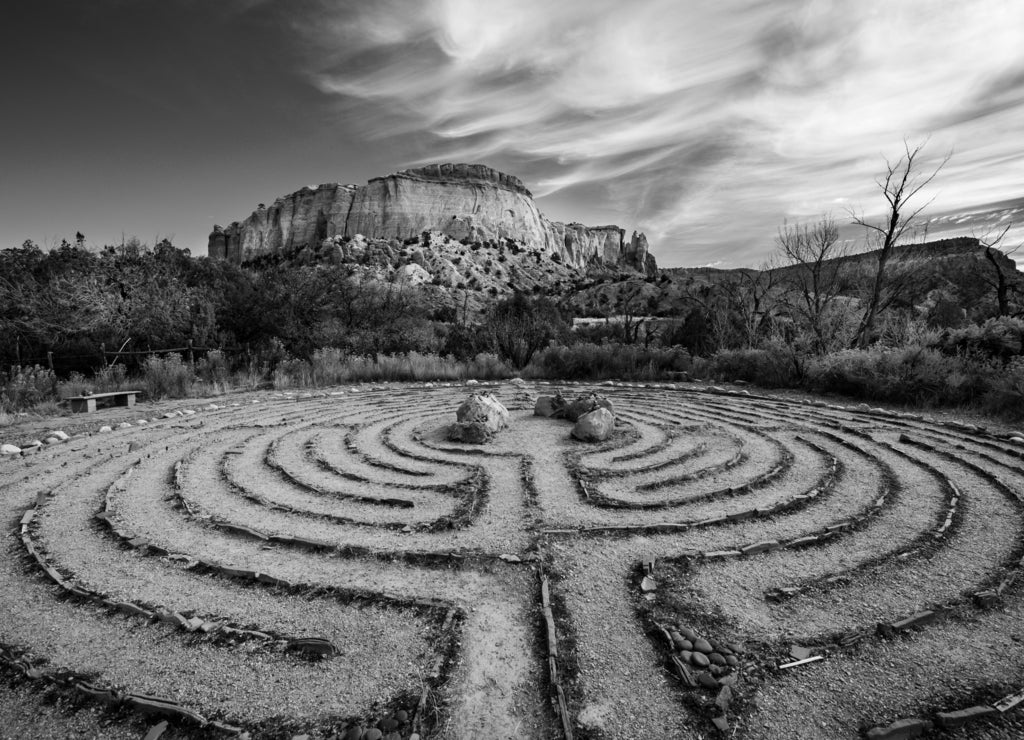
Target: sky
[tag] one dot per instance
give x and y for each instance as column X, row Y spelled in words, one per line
column 706, row 124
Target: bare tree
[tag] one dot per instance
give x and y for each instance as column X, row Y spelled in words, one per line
column 900, row 184
column 812, row 276
column 750, row 296
column 999, row 278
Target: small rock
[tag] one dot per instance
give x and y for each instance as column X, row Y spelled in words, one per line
column 708, row 681
column 799, row 653
column 717, row 659
column 51, row 440
column 648, row 584
column 9, row 450
column 724, row 699
column 124, row 425
column 104, row 429
column 703, row 646
column 700, row 660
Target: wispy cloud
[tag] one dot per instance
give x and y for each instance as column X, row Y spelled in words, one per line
column 707, row 122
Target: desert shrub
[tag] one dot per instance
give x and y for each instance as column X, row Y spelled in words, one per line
column 1005, row 393
column 1001, row 337
column 332, row 366
column 328, row 367
column 910, row 375
column 775, row 366
column 23, row 387
column 214, row 368
column 588, row 361
column 166, row 376
column 105, row 380
column 292, row 373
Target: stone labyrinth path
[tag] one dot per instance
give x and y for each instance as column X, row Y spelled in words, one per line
column 331, row 565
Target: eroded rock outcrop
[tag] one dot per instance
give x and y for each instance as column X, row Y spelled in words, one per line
column 464, row 201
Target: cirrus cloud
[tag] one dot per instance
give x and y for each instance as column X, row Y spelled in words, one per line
column 704, row 123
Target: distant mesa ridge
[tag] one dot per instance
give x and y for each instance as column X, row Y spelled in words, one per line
column 464, row 201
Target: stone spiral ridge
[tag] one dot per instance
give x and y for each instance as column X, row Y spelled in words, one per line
column 330, row 565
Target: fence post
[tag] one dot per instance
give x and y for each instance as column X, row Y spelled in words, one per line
column 103, row 351
column 191, row 357
column 49, row 360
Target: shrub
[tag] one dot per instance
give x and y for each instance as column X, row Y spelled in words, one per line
column 331, row 366
column 775, row 366
column 1005, row 394
column 166, row 376
column 912, row 375
column 1001, row 337
column 23, row 387
column 607, row 361
column 292, row 373
column 213, row 368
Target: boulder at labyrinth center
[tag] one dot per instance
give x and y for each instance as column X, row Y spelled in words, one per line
column 594, row 427
column 586, row 403
column 550, row 405
column 478, row 418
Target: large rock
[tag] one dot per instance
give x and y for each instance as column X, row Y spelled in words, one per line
column 596, row 426
column 462, row 201
column 478, row 419
column 585, row 403
column 550, row 405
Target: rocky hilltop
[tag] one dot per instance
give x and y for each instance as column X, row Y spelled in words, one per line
column 466, row 202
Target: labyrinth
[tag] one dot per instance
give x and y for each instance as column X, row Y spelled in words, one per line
column 727, row 564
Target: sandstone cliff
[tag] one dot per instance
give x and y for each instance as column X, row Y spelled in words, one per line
column 470, row 202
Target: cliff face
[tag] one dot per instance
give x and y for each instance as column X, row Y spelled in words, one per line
column 471, row 202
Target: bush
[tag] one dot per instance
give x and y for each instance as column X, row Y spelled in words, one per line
column 214, row 369
column 331, row 366
column 587, row 361
column 915, row 375
column 772, row 367
column 166, row 376
column 24, row 387
column 1001, row 337
column 1005, row 394
column 292, row 373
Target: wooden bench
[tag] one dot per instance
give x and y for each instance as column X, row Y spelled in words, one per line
column 88, row 403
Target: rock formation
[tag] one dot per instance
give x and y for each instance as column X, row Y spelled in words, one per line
column 464, row 201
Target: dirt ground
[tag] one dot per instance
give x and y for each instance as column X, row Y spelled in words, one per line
column 346, row 514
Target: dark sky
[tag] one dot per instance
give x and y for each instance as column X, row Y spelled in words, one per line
column 703, row 123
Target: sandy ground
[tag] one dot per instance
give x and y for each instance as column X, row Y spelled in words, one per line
column 371, row 468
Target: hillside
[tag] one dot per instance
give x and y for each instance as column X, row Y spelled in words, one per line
column 956, row 268
column 467, row 203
